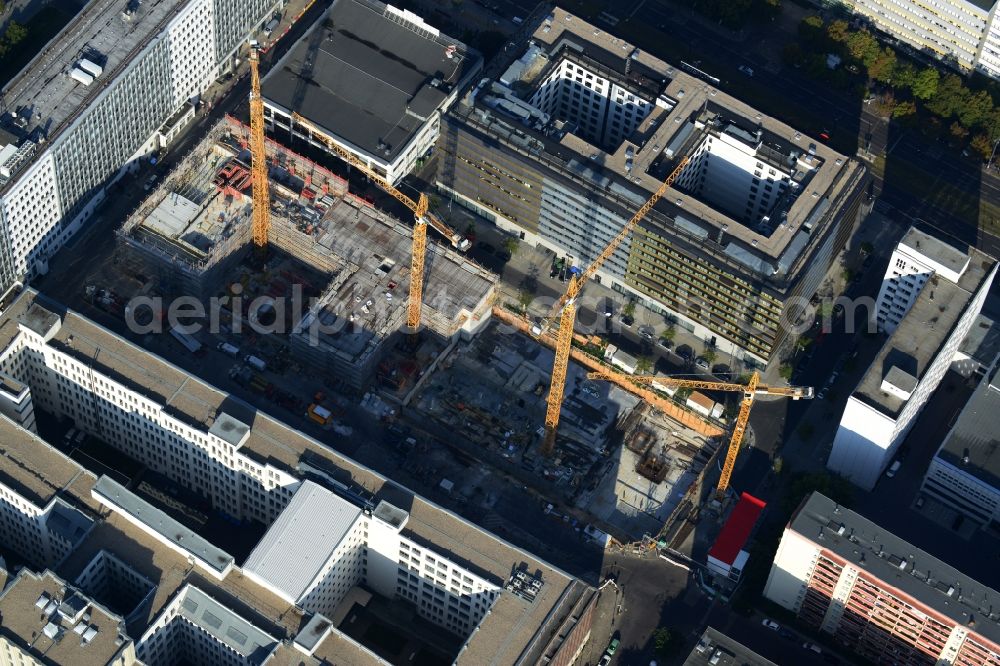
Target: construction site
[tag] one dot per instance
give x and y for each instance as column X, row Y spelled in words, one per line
column 336, row 277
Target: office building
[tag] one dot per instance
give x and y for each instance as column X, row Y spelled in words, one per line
column 928, row 302
column 91, row 104
column 496, row 602
column 964, row 474
column 568, row 143
column 371, row 78
column 881, row 598
column 964, row 34
column 46, row 620
column 714, row 648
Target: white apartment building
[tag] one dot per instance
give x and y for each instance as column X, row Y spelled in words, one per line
column 338, row 546
column 916, row 259
column 964, row 474
column 963, row 33
column 90, row 105
column 44, row 498
column 921, row 347
column 376, row 89
column 194, row 628
column 604, row 111
column 111, row 399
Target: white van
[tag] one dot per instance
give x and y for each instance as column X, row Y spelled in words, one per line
column 893, row 468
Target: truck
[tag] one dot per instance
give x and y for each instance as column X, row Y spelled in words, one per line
column 257, row 363
column 228, row 349
column 269, row 28
column 185, row 339
column 319, row 414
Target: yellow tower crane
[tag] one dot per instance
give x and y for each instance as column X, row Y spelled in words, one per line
column 258, row 158
column 565, row 308
column 749, row 390
column 422, row 217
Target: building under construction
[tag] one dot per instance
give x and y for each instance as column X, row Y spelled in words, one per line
column 350, row 260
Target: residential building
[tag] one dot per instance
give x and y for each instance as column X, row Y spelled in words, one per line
column 45, row 620
column 964, row 474
column 90, row 106
column 567, row 144
column 928, row 303
column 334, row 523
column 45, row 503
column 880, row 597
column 959, row 32
column 377, row 87
column 714, row 648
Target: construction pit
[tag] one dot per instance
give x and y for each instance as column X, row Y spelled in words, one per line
column 335, row 281
column 619, row 462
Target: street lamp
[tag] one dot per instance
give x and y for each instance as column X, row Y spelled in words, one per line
column 993, row 154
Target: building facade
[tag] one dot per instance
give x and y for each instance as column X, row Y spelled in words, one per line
column 964, row 474
column 923, row 344
column 962, row 33
column 878, row 596
column 71, row 137
column 376, row 89
column 565, row 146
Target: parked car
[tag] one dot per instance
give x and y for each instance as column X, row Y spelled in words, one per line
column 605, row 660
column 702, row 363
column 647, row 332
column 666, row 344
column 746, row 70
column 613, row 646
column 721, row 369
column 893, row 468
column 770, row 624
column 486, row 248
column 628, row 320
column 812, row 647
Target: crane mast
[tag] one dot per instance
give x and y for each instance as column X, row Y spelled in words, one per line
column 422, row 218
column 566, row 309
column 749, row 390
column 258, row 159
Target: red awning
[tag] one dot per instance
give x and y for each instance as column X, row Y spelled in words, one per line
column 737, row 529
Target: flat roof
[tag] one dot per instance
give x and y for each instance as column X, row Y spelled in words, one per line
column 34, row 630
column 975, row 436
column 982, row 343
column 714, row 648
column 306, row 533
column 935, row 249
column 827, row 174
column 922, row 332
column 43, row 92
column 369, row 74
column 118, row 496
column 38, row 471
column 899, row 564
column 499, row 638
column 225, row 625
column 737, row 529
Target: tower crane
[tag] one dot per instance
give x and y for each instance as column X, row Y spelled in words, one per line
column 422, row 218
column 565, row 308
column 750, row 390
column 258, row 158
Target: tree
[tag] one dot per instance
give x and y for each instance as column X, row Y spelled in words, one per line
column 948, row 98
column 785, row 370
column 958, row 131
column 925, row 83
column 862, row 46
column 629, row 309
column 982, row 145
column 524, row 299
column 867, row 247
column 884, row 104
column 883, row 67
column 803, row 485
column 803, row 343
column 904, row 109
column 510, row 243
column 838, row 31
column 811, row 29
column 643, row 365
column 669, row 333
column 975, row 107
column 710, row 355
column 667, row 642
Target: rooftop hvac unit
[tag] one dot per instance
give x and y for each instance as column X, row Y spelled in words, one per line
column 81, row 76
column 91, row 68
